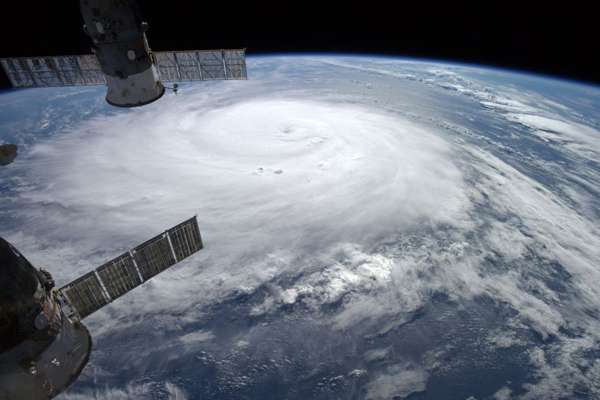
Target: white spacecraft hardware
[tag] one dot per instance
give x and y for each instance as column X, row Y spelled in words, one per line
column 43, row 344
column 123, row 60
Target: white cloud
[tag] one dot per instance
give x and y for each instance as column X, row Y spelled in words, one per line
column 175, row 392
column 397, row 382
column 196, row 337
column 133, row 391
column 503, row 339
column 576, row 136
column 503, row 394
column 377, row 354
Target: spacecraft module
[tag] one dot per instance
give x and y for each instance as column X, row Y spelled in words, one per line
column 8, row 153
column 43, row 343
column 123, row 60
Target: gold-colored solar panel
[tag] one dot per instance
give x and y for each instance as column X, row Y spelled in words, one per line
column 85, row 294
column 154, row 256
column 185, row 238
column 119, row 276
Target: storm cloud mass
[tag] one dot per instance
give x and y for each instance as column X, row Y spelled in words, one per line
column 374, row 229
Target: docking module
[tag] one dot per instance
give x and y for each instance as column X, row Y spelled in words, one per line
column 44, row 345
column 122, row 59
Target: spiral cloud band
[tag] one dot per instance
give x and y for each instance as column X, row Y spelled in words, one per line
column 398, row 211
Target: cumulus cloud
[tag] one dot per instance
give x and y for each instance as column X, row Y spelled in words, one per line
column 142, row 391
column 397, row 382
column 571, row 134
column 351, row 272
column 503, row 394
column 377, row 354
column 197, row 336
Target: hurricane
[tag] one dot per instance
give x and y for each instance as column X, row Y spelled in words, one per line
column 374, row 228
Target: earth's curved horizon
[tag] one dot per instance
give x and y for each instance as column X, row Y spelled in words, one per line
column 375, row 228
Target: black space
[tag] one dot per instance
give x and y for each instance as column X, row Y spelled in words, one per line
column 553, row 38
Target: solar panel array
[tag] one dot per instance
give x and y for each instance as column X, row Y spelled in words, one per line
column 201, row 65
column 120, row 275
column 80, row 70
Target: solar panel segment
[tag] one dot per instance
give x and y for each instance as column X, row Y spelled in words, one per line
column 119, row 276
column 85, row 294
column 185, row 239
column 84, row 70
column 201, row 65
column 154, row 256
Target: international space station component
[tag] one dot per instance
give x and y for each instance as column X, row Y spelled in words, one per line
column 43, row 344
column 123, row 60
column 8, row 153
